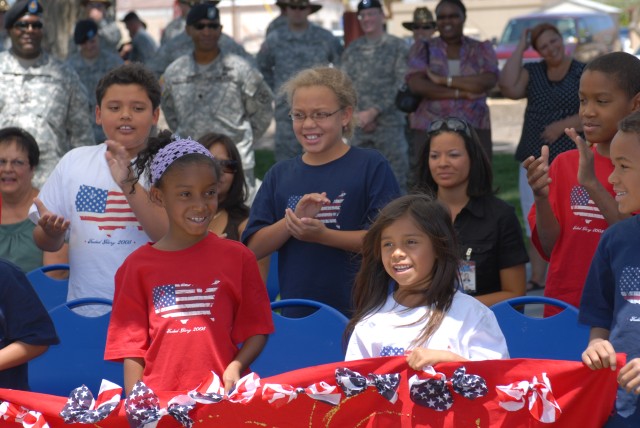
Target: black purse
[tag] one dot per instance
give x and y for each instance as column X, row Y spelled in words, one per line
column 406, row 101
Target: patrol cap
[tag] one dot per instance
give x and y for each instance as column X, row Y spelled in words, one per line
column 86, row 29
column 207, row 10
column 369, row 4
column 21, row 8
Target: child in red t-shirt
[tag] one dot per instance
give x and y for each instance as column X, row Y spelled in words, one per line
column 184, row 304
column 574, row 203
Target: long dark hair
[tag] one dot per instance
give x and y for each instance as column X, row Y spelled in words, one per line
column 480, row 174
column 234, row 203
column 371, row 288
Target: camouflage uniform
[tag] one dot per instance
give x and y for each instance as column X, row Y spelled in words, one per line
column 182, row 44
column 278, row 22
column 143, row 47
column 228, row 96
column 173, row 29
column 283, row 54
column 377, row 69
column 47, row 100
column 90, row 74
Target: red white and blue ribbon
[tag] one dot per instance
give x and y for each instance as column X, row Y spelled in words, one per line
column 434, row 390
column 244, row 390
column 142, row 407
column 353, row 383
column 279, row 394
column 536, row 394
column 210, row 391
column 18, row 414
column 83, row 408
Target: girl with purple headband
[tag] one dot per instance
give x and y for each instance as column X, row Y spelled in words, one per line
column 184, row 304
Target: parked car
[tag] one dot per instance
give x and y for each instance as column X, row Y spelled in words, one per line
column 586, row 35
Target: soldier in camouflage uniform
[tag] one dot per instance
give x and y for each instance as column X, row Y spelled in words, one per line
column 286, row 51
column 377, row 63
column 91, row 62
column 182, row 43
column 213, row 90
column 109, row 32
column 46, row 98
column 177, row 25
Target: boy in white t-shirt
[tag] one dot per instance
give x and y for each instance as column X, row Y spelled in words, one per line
column 89, row 201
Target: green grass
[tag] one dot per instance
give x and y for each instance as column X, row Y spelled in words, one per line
column 264, row 159
column 505, row 179
column 505, row 173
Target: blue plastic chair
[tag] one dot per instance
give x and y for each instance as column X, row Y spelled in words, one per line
column 302, row 342
column 52, row 292
column 273, row 284
column 559, row 337
column 79, row 358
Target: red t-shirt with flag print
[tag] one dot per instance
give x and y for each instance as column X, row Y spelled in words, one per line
column 581, row 226
column 186, row 311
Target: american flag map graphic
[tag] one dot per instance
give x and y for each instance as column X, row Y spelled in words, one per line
column 630, row 284
column 583, row 206
column 328, row 214
column 108, row 209
column 183, row 301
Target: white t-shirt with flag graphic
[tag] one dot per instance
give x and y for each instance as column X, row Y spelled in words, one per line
column 103, row 231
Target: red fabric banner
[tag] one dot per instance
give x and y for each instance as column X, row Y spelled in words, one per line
column 583, row 398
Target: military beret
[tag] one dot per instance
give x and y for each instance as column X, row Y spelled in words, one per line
column 369, row 4
column 85, row 30
column 19, row 9
column 200, row 11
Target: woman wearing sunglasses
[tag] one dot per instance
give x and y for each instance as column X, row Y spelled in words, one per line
column 455, row 169
column 453, row 73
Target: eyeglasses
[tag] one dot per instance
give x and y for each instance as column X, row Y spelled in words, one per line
column 24, row 25
column 201, row 26
column 15, row 163
column 317, row 116
column 424, row 27
column 297, row 7
column 228, row 165
column 450, row 124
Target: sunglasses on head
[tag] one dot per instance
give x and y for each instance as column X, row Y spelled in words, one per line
column 201, row 26
column 228, row 165
column 450, row 124
column 24, row 25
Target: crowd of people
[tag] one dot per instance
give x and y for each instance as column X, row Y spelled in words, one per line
column 175, row 227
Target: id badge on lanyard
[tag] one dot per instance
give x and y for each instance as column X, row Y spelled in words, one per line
column 468, row 273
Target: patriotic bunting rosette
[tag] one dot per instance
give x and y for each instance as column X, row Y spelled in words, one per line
column 537, row 395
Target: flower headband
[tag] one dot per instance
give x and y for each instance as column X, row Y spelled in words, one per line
column 176, row 149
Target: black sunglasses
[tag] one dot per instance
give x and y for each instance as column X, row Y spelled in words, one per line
column 450, row 124
column 24, row 25
column 297, row 7
column 424, row 27
column 201, row 26
column 228, row 165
